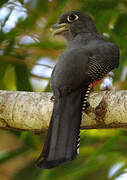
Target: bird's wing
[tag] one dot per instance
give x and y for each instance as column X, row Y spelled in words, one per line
column 99, row 64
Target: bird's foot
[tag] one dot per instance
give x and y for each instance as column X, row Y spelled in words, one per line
column 52, row 98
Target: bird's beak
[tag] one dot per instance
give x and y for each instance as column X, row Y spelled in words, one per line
column 59, row 28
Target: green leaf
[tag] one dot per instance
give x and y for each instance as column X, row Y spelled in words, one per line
column 29, row 172
column 120, row 30
column 45, row 174
column 101, row 10
column 9, row 83
column 6, row 156
column 56, row 14
column 94, row 6
column 48, row 89
column 3, row 68
column 30, row 139
column 42, row 6
column 84, row 167
column 2, row 2
column 46, row 44
column 22, row 77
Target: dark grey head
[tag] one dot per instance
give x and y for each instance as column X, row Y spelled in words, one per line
column 72, row 23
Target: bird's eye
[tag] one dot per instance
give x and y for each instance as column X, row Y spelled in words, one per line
column 72, row 18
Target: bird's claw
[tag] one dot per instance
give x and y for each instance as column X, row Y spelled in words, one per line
column 52, row 98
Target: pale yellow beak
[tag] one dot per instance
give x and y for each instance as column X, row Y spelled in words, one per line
column 59, row 28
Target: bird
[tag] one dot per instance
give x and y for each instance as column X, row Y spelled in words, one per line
column 87, row 59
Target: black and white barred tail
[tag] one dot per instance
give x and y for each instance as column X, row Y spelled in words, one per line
column 84, row 96
column 63, row 137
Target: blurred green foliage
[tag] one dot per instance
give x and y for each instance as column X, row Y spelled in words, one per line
column 100, row 149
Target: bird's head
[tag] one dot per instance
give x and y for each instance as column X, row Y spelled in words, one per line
column 72, row 23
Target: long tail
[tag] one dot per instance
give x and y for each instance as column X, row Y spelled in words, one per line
column 62, row 141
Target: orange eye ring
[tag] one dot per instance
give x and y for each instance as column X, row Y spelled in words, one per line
column 72, row 18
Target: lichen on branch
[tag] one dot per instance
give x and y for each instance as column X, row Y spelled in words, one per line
column 31, row 111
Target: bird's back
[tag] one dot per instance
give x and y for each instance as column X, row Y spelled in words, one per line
column 73, row 66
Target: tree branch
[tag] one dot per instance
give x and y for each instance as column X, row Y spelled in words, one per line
column 31, row 111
